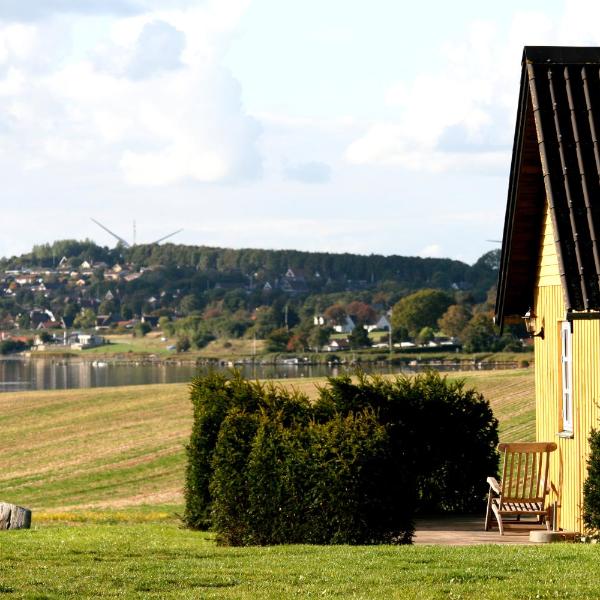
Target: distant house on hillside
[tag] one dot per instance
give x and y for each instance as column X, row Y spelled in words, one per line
column 87, row 340
column 550, row 265
column 152, row 320
column 347, row 326
column 296, row 274
column 293, row 282
column 337, row 345
column 37, row 316
column 103, row 321
column 382, row 324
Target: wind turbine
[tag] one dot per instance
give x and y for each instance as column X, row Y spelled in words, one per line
column 125, row 242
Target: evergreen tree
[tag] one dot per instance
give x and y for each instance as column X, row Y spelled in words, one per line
column 359, row 338
column 591, row 487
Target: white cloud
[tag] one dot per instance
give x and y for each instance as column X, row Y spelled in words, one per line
column 32, row 10
column 459, row 115
column 173, row 163
column 158, row 48
column 152, row 102
column 36, row 10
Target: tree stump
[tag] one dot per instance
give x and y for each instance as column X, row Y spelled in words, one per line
column 14, row 517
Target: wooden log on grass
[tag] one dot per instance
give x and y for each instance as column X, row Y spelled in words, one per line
column 14, row 517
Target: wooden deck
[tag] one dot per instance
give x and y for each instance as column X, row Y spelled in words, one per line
column 468, row 530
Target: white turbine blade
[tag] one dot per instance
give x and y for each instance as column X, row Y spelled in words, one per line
column 118, row 237
column 162, row 239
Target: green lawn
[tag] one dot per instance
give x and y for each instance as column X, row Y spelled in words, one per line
column 161, row 560
column 124, row 343
column 152, row 344
column 103, row 470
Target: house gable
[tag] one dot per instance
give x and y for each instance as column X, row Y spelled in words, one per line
column 550, row 257
column 556, row 162
column 548, row 273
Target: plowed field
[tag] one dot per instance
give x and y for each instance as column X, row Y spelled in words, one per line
column 118, row 448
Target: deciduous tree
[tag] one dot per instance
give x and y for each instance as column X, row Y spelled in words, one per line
column 361, row 312
column 336, row 314
column 481, row 335
column 318, row 337
column 426, row 335
column 85, row 319
column 454, row 320
column 421, row 309
column 278, row 339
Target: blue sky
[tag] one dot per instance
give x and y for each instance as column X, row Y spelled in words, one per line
column 381, row 127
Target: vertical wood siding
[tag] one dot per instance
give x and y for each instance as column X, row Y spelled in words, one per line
column 568, row 467
column 548, row 273
column 586, row 388
column 549, row 306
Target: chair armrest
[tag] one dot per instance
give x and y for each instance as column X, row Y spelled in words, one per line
column 494, row 485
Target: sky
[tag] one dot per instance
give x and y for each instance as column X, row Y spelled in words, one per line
column 326, row 125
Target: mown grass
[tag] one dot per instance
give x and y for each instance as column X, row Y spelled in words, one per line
column 114, row 448
column 160, row 560
column 153, row 344
column 103, row 469
column 125, row 343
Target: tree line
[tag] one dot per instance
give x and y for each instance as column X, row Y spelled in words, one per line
column 202, row 293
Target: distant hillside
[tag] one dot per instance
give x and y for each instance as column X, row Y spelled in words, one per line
column 205, row 293
column 318, row 271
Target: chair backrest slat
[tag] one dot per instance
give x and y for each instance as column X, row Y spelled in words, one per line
column 510, row 457
column 518, row 474
column 533, row 475
column 525, row 471
column 504, row 474
column 526, row 475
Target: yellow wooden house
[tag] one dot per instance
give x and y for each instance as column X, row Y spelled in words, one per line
column 550, row 265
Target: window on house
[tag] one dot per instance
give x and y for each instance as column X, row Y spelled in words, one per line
column 567, row 377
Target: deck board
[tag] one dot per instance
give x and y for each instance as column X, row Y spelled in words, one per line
column 468, row 530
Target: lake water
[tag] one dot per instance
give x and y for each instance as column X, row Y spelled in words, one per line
column 18, row 374
column 37, row 374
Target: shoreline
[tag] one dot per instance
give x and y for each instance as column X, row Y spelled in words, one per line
column 487, row 361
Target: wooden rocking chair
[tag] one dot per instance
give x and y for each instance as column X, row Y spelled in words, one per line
column 524, row 484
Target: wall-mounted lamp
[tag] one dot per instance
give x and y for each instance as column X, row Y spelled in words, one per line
column 531, row 324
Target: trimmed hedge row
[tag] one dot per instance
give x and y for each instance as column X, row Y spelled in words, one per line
column 265, row 466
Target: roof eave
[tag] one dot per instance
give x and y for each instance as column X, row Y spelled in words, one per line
column 512, row 195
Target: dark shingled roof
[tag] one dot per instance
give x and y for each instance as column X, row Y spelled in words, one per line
column 556, row 155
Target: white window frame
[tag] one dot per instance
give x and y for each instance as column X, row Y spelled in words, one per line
column 566, row 360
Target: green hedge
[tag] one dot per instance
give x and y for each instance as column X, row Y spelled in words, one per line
column 229, row 485
column 213, row 397
column 265, row 466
